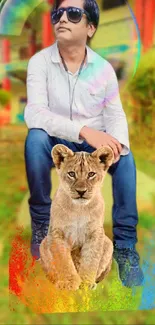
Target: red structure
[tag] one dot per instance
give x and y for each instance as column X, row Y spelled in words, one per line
column 149, row 19
column 48, row 34
column 145, row 14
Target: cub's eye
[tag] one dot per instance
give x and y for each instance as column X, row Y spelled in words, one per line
column 72, row 174
column 91, row 174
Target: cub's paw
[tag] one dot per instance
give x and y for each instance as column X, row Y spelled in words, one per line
column 68, row 284
column 93, row 286
column 90, row 286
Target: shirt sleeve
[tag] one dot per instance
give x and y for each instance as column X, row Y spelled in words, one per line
column 37, row 113
column 114, row 115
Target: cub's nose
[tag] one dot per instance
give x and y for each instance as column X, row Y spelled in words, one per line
column 81, row 193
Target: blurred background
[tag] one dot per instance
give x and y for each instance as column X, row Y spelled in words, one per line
column 25, row 29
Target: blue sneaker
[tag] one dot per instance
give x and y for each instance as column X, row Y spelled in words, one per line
column 129, row 269
column 39, row 232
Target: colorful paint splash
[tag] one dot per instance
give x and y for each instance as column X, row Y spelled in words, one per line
column 17, row 264
column 148, row 294
column 28, row 285
column 14, row 13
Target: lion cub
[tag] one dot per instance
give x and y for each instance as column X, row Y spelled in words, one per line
column 76, row 250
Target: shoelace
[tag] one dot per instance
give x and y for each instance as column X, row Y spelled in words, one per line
column 128, row 255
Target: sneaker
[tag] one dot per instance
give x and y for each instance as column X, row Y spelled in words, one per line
column 129, row 269
column 39, row 232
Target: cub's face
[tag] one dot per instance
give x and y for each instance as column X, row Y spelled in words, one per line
column 81, row 174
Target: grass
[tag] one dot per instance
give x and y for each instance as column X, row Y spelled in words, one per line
column 145, row 166
column 12, row 191
column 147, row 220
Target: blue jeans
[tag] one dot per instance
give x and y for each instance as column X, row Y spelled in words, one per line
column 38, row 161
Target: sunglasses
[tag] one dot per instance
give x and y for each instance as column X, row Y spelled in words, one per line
column 73, row 14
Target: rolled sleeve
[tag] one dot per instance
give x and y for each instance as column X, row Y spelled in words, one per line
column 114, row 115
column 64, row 128
column 37, row 113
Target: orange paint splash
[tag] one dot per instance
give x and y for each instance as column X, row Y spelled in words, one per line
column 18, row 272
column 29, row 285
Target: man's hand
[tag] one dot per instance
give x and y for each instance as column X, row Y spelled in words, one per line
column 97, row 139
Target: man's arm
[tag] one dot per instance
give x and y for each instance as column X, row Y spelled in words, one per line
column 37, row 113
column 114, row 115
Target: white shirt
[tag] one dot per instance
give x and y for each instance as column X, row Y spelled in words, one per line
column 96, row 101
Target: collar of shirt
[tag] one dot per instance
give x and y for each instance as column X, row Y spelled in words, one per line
column 55, row 56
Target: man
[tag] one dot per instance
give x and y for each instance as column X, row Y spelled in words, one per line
column 82, row 111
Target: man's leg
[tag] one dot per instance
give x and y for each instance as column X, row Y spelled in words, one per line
column 38, row 161
column 124, row 211
column 125, row 218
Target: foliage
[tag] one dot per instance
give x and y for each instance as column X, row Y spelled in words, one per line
column 146, row 220
column 5, row 97
column 141, row 90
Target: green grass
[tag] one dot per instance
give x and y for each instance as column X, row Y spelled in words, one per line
column 145, row 166
column 147, row 220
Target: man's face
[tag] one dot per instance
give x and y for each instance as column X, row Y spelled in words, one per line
column 74, row 33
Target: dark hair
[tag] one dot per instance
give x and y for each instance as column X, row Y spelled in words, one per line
column 89, row 5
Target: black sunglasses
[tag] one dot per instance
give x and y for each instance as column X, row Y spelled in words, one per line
column 73, row 14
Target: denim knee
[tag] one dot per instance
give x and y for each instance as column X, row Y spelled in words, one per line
column 129, row 163
column 37, row 137
column 130, row 158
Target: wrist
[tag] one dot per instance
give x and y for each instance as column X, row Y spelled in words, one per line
column 83, row 132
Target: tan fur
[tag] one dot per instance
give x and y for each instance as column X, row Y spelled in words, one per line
column 76, row 251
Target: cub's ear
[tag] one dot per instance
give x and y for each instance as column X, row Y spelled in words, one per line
column 59, row 153
column 105, row 156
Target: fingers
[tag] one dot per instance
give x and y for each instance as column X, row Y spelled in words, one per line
column 117, row 144
column 114, row 148
column 104, row 139
column 118, row 158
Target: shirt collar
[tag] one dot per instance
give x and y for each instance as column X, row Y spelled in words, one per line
column 56, row 56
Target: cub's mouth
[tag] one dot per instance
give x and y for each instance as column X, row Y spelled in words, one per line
column 82, row 198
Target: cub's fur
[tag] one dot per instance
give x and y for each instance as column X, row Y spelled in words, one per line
column 76, row 250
